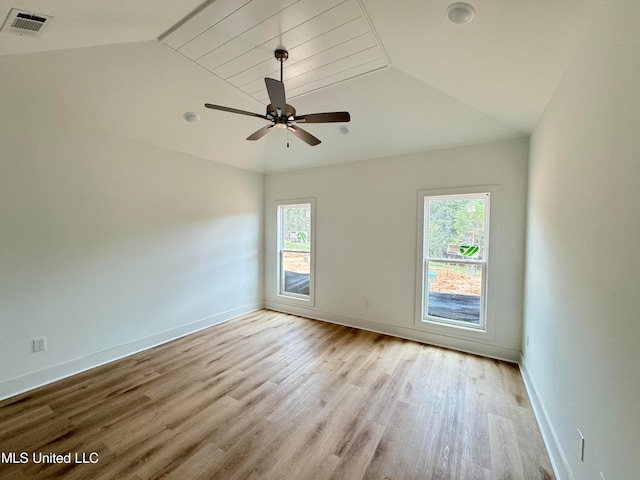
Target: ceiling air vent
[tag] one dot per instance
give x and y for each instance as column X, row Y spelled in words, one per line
column 25, row 23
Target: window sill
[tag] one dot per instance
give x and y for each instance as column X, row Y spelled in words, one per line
column 455, row 330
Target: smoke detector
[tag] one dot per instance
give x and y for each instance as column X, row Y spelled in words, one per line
column 25, row 23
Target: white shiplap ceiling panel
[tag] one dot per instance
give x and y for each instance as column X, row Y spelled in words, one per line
column 336, row 78
column 272, row 28
column 328, row 42
column 313, row 66
column 232, row 27
column 307, row 37
column 264, row 65
column 205, row 17
column 309, row 75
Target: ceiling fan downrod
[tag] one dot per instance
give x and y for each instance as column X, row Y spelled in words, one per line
column 281, row 55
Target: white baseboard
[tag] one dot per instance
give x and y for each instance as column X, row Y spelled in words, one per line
column 477, row 348
column 48, row 375
column 556, row 455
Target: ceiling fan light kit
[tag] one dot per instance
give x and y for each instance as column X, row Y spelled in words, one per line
column 281, row 114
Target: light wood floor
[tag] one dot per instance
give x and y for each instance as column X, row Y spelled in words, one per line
column 274, row 396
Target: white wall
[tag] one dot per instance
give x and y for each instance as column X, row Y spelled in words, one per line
column 583, row 262
column 108, row 244
column 366, row 235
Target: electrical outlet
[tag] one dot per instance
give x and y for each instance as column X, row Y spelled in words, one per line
column 39, row 344
column 527, row 340
column 580, row 446
column 367, row 304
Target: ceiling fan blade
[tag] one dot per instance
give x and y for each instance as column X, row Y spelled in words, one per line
column 235, row 110
column 275, row 89
column 303, row 135
column 323, row 117
column 260, row 133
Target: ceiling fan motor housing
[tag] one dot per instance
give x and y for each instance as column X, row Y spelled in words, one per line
column 289, row 111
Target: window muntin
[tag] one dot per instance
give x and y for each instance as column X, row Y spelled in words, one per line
column 295, row 259
column 455, row 260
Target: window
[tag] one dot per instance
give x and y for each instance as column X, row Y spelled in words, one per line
column 295, row 253
column 455, row 254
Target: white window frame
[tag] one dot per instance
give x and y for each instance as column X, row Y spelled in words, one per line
column 290, row 297
column 486, row 329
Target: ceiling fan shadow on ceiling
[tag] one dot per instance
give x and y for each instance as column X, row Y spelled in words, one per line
column 283, row 115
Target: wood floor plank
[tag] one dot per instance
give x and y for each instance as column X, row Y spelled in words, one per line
column 186, row 439
column 506, row 461
column 476, row 434
column 275, row 396
column 356, row 458
column 12, row 472
column 318, row 434
column 386, row 460
column 472, row 471
column 24, row 420
column 534, row 458
column 199, row 465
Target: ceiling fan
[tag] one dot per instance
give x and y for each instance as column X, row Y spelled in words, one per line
column 283, row 115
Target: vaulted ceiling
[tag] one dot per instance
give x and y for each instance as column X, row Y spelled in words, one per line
column 411, row 79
